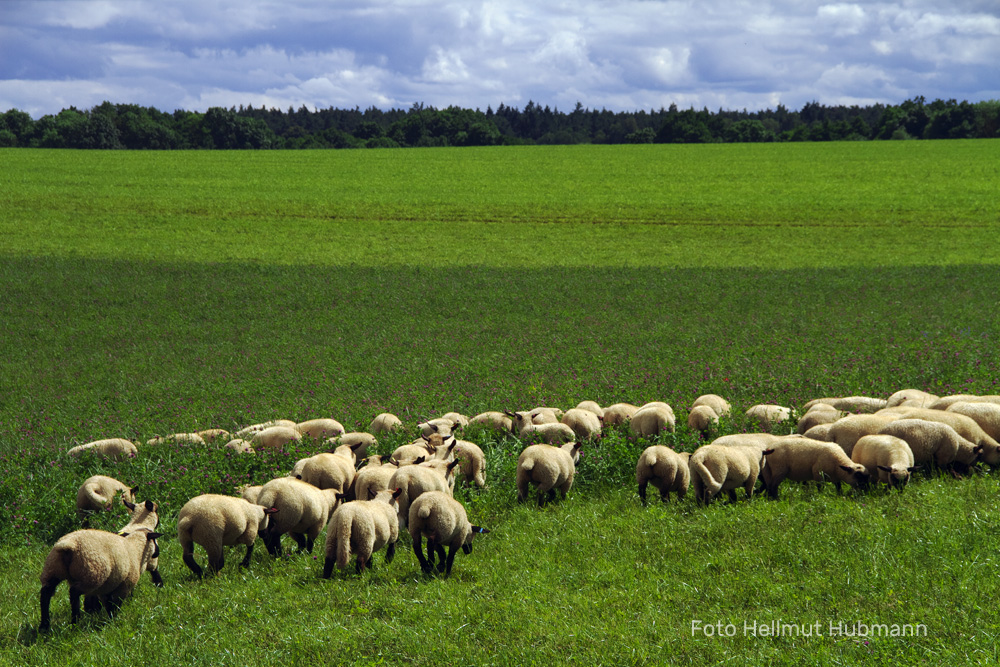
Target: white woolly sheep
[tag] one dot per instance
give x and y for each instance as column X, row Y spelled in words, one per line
column 848, row 430
column 373, row 476
column 718, row 468
column 444, row 522
column 864, row 404
column 239, row 446
column 934, row 443
column 719, row 405
column 702, row 418
column 414, row 480
column 441, row 426
column 802, row 459
column 666, row 469
column 176, row 439
column 619, row 414
column 359, row 440
column 592, row 406
column 651, row 420
column 249, row 431
column 320, row 429
column 215, row 436
column 768, row 415
column 545, row 415
column 385, row 422
column 523, row 425
column 462, row 420
column 912, row 398
column 819, row 432
column 659, row 404
column 547, row 468
column 987, row 415
column 362, row 528
column 249, row 493
column 945, row 402
column 329, row 471
column 497, row 421
column 97, row 493
column 274, row 437
column 303, row 510
column 98, row 564
column 886, row 456
column 963, row 425
column 113, row 449
column 215, row 521
column 144, row 516
column 472, row 462
column 819, row 413
column 585, row 423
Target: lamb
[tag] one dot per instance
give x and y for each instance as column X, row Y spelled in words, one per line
column 659, row 404
column 545, row 415
column 848, row 430
column 441, row 426
column 114, row 449
column 651, row 420
column 215, row 521
column 143, row 516
column 819, row 432
column 717, row 468
column 239, row 446
column 702, row 418
column 819, row 413
column 274, row 437
column 444, row 522
column 864, row 404
column 320, row 429
column 666, row 469
column 719, row 405
column 303, row 510
column 97, row 493
column 619, row 414
column 886, row 455
column 176, row 439
column 592, row 406
column 547, row 468
column 524, row 426
column 497, row 421
column 101, row 565
column 362, row 528
column 373, row 476
column 249, row 493
column 385, row 422
column 802, row 459
column 357, row 440
column 472, row 462
column 768, row 416
column 586, row 424
column 945, row 402
column 328, row 471
column 435, row 475
column 425, row 448
column 963, row 425
column 249, row 431
column 987, row 415
column 911, row 398
column 934, row 443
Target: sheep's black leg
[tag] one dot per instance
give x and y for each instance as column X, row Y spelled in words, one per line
column 642, row 492
column 390, row 552
column 216, row 564
column 45, row 599
column 157, row 579
column 300, row 540
column 74, row 605
column 452, row 550
column 418, row 549
column 443, row 561
column 328, row 567
column 192, row 565
column 246, row 559
column 91, row 604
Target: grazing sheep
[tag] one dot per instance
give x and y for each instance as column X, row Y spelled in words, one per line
column 934, row 443
column 113, row 449
column 544, row 415
column 462, row 420
column 592, row 406
column 497, row 421
column 887, row 456
column 249, row 493
column 701, row 418
column 718, row 468
column 320, row 429
column 176, row 439
column 523, row 425
column 547, row 468
column 586, row 425
column 215, row 521
column 274, row 437
column 144, row 516
column 472, row 462
column 362, row 528
column 619, row 414
column 802, row 459
column 768, row 416
column 848, row 430
column 666, row 469
column 945, row 402
column 103, row 566
column 819, row 413
column 719, row 405
column 249, row 431
column 819, row 432
column 385, row 422
column 757, row 441
column 410, row 453
column 97, row 493
column 441, row 426
column 651, row 420
column 964, row 426
column 444, row 522
column 433, row 475
column 239, row 446
column 303, row 510
column 358, row 440
column 987, row 415
column 373, row 476
column 865, row 404
column 658, row 404
column 911, row 398
column 329, row 471
column 215, row 436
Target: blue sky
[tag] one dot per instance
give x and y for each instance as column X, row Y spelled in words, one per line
column 636, row 54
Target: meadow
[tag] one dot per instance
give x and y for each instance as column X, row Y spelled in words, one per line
column 149, row 293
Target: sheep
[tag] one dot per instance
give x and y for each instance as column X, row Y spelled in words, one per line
column 545, row 415
column 863, row 404
column 462, row 420
column 425, row 448
column 249, row 431
column 356, row 439
column 176, row 439
column 819, row 413
column 215, row 521
column 385, row 422
column 249, row 493
column 987, row 415
column 768, row 416
column 592, row 406
column 848, row 430
column 113, row 449
column 963, row 425
column 524, row 426
column 320, row 429
column 586, row 424
column 444, row 522
column 651, row 420
column 441, row 426
column 945, row 402
column 887, row 456
column 239, row 446
column 666, row 469
column 497, row 421
column 328, row 471
column 802, row 459
column 819, row 432
column 702, row 418
column 911, row 398
column 101, row 565
column 547, row 468
column 97, row 493
column 414, row 480
column 718, row 468
column 274, row 437
column 373, row 476
column 619, row 414
column 719, row 405
column 934, row 443
column 215, row 435
column 143, row 516
column 362, row 528
column 472, row 462
column 303, row 510
column 659, row 404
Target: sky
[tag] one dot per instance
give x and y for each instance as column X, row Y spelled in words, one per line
column 622, row 56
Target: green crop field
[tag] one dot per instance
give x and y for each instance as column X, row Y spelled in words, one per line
column 147, row 293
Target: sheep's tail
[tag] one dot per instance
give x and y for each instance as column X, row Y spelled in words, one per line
column 342, row 534
column 528, row 465
column 184, row 528
column 650, row 459
column 704, row 475
column 424, row 512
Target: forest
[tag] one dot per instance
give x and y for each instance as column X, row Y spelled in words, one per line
column 130, row 126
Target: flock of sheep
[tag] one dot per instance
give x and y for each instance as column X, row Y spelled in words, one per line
column 855, row 440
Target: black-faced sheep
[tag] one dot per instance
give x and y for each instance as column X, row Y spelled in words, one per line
column 385, row 422
column 886, row 456
column 934, row 443
column 359, row 441
column 362, row 527
column 986, row 414
column 547, row 468
column 328, row 471
column 97, row 493
column 592, row 406
column 274, row 437
column 114, row 449
column 215, row 521
column 414, row 480
column 863, row 404
column 303, row 511
column 665, row 469
column 374, row 476
column 718, row 468
column 848, row 430
column 494, row 420
column 444, row 522
column 619, row 414
column 802, row 459
column 702, row 418
column 524, row 427
column 911, row 398
column 651, row 420
column 719, row 405
column 320, row 429
column 472, row 462
column 768, row 416
column 176, row 439
column 586, row 424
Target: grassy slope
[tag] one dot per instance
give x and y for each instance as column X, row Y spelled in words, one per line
column 146, row 293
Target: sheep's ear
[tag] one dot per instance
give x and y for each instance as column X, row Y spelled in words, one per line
column 455, row 426
column 978, row 449
column 150, row 506
column 298, row 477
column 153, row 536
column 134, row 489
column 847, row 468
column 451, row 466
column 419, row 460
column 510, row 414
column 396, row 493
column 393, row 461
column 130, row 506
column 913, row 469
column 342, row 497
column 425, row 438
column 371, row 493
column 356, row 446
column 434, row 427
column 270, row 510
column 885, row 468
column 480, row 530
column 768, row 451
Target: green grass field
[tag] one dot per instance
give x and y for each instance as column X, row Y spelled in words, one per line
column 150, row 293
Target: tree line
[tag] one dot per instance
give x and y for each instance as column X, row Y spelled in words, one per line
column 130, row 126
